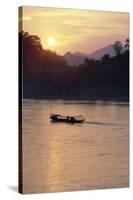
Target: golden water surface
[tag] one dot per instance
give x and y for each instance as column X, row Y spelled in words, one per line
column 65, row 157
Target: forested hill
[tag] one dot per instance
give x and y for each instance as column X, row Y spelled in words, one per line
column 47, row 75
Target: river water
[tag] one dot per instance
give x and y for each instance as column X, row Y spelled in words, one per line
column 65, row 157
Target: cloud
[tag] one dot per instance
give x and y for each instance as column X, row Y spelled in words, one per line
column 72, row 26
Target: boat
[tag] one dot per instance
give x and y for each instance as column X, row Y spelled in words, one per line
column 68, row 119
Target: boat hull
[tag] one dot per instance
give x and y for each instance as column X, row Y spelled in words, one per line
column 67, row 121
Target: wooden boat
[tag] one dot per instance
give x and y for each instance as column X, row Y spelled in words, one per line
column 68, row 119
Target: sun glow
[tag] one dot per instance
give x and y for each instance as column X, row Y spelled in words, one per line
column 51, row 42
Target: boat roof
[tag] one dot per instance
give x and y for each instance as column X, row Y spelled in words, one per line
column 58, row 115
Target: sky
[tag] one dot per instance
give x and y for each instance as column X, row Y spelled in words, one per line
column 73, row 30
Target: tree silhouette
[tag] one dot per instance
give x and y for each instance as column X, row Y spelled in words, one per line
column 47, row 75
column 127, row 43
column 118, row 47
column 105, row 58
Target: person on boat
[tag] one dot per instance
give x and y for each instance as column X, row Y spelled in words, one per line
column 68, row 118
column 72, row 119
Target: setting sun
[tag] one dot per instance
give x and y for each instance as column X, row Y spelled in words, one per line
column 51, row 41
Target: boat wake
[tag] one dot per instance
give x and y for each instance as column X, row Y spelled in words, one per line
column 104, row 123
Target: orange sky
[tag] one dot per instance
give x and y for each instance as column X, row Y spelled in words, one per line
column 75, row 30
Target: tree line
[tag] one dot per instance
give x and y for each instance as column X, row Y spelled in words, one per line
column 47, row 74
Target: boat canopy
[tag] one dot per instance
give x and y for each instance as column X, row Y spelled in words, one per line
column 77, row 117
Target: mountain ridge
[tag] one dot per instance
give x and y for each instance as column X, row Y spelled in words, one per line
column 78, row 58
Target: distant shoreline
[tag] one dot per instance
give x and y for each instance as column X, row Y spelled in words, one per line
column 115, row 99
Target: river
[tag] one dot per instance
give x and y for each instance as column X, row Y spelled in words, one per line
column 66, row 157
